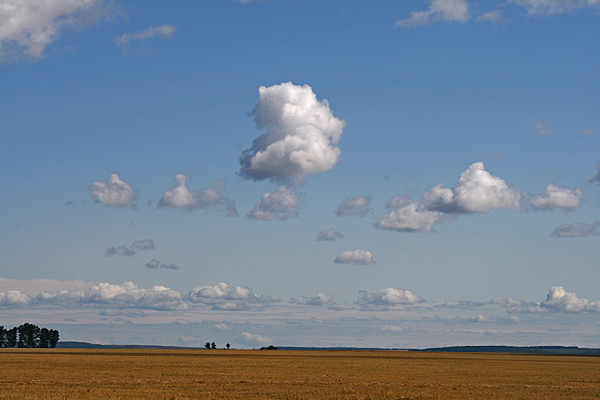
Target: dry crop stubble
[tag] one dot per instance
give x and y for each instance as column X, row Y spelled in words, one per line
column 249, row 374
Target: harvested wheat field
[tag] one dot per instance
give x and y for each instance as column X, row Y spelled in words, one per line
column 248, row 374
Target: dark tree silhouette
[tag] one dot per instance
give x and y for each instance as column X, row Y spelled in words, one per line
column 11, row 337
column 207, row 345
column 43, row 338
column 53, row 338
column 213, row 345
column 3, row 342
column 228, row 346
column 28, row 336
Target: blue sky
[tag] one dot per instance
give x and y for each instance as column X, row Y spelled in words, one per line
column 395, row 173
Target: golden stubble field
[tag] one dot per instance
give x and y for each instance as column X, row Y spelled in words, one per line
column 278, row 374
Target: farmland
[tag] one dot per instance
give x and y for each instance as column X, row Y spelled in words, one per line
column 260, row 374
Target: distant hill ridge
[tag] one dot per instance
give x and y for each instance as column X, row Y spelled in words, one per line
column 559, row 350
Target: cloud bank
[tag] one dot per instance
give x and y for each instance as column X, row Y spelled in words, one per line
column 301, row 138
column 125, row 295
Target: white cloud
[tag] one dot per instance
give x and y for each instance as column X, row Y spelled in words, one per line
column 385, row 298
column 355, row 206
column 320, row 299
column 228, row 298
column 301, row 136
column 329, row 235
column 439, row 10
column 549, row 7
column 146, row 244
column 165, row 31
column 248, row 339
column 181, row 197
column 358, row 256
column 559, row 300
column 279, row 205
column 556, row 197
column 221, row 326
column 460, row 304
column 413, row 217
column 126, row 295
column 114, row 192
column 576, row 229
column 478, row 191
column 518, row 306
column 596, row 177
column 27, row 27
column 494, row 16
column 543, row 128
column 14, row 298
column 154, row 263
column 480, row 318
column 391, row 328
column 34, row 286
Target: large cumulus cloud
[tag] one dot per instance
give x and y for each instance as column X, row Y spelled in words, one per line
column 301, row 138
column 477, row 191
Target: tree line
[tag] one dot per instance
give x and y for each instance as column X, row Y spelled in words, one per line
column 28, row 336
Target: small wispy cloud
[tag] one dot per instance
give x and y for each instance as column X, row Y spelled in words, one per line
column 164, row 31
column 154, row 264
column 543, row 128
column 439, row 10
